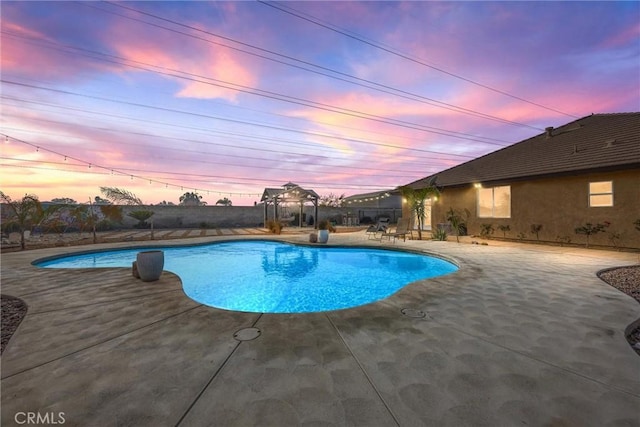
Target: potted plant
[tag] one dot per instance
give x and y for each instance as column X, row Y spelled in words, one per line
column 149, row 265
column 324, row 227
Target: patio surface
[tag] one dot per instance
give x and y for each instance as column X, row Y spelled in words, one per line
column 520, row 335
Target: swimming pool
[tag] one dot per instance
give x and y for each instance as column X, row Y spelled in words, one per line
column 272, row 277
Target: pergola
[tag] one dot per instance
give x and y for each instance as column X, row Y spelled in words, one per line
column 289, row 194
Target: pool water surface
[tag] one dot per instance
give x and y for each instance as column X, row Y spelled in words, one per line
column 273, row 277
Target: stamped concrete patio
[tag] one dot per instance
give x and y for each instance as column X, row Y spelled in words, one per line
column 520, row 335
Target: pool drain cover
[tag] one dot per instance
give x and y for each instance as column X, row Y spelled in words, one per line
column 247, row 334
column 412, row 312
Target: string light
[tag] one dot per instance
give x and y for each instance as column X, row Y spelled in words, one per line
column 112, row 171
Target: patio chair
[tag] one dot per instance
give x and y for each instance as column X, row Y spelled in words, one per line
column 380, row 227
column 402, row 229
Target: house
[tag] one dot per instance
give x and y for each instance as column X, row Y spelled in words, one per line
column 369, row 207
column 587, row 171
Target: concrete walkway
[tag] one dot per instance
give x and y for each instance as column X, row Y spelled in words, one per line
column 520, row 335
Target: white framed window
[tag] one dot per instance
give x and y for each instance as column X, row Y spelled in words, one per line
column 600, row 194
column 494, row 202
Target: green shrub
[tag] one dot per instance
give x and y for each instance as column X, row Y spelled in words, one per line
column 486, row 230
column 535, row 229
column 439, row 234
column 504, row 229
column 456, row 218
column 590, row 229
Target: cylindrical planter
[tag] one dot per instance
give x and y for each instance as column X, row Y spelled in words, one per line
column 323, row 236
column 150, row 265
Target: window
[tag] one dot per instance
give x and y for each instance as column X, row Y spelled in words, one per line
column 600, row 194
column 494, row 202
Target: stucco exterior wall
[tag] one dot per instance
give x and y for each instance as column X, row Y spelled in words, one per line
column 560, row 205
column 218, row 216
column 198, row 216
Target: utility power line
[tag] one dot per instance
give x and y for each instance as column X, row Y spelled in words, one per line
column 395, row 52
column 378, row 86
column 155, row 107
column 136, row 174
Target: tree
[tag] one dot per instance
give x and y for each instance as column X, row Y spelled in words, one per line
column 64, row 201
column 119, row 195
column 191, row 199
column 100, row 201
column 25, row 213
column 458, row 223
column 332, row 200
column 416, row 198
column 224, row 202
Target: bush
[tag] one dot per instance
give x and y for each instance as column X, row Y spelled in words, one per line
column 142, row 216
column 439, row 234
column 325, row 224
column 504, row 229
column 535, row 229
column 274, row 226
column 486, row 230
column 589, row 229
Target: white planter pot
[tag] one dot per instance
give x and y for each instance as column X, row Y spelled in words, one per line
column 150, row 265
column 323, row 236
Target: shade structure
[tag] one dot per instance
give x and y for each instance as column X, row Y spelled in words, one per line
column 288, row 195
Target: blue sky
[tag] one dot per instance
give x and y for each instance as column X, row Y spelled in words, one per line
column 228, row 98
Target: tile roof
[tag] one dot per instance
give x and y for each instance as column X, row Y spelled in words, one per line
column 595, row 142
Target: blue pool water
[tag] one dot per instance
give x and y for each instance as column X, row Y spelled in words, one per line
column 273, row 277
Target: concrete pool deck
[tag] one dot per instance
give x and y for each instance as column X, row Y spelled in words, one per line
column 520, row 335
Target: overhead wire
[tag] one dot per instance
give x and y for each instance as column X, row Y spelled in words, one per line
column 155, row 107
column 316, row 21
column 228, row 135
column 281, row 141
column 129, row 173
column 378, row 86
column 304, row 102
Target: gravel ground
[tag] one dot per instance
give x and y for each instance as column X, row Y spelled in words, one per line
column 625, row 279
column 13, row 311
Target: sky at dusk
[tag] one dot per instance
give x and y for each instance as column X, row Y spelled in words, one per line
column 227, row 98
